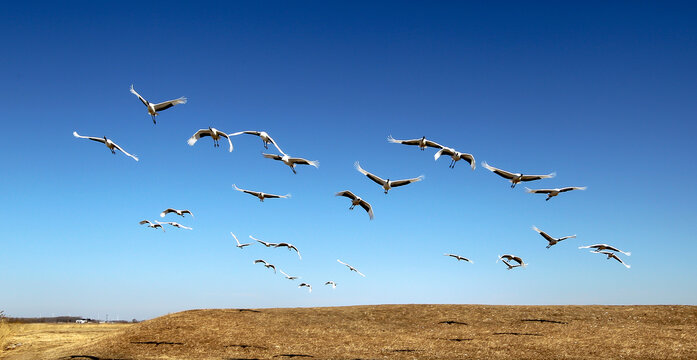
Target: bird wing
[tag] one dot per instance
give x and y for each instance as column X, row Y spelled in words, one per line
column 187, row 212
column 243, row 190
column 540, row 191
column 444, row 151
column 566, row 237
column 274, row 196
column 569, row 188
column 537, row 177
column 276, row 145
column 346, row 193
column 469, row 158
column 145, row 222
column 133, row 91
column 433, row 144
column 370, row 176
column 169, row 104
column 233, row 235
column 508, row 264
column 197, row 135
column 272, row 156
column 259, row 261
column 544, row 234
column 499, row 172
column 124, row 151
column 405, row 142
column 227, row 137
column 358, row 272
column 405, row 181
column 296, row 250
column 250, row 132
column 167, row 211
column 439, row 153
column 260, row 241
column 302, row 161
column 343, row 263
column 255, row 193
column 101, row 140
column 616, row 249
column 366, row 206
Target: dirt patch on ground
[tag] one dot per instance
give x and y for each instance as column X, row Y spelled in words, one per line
column 394, row 332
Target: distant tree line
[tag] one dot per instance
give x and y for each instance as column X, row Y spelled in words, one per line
column 56, row 319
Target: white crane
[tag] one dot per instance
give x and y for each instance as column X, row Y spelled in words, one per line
column 291, row 161
column 333, row 284
column 178, row 212
column 267, row 244
column 455, row 156
column 154, row 108
column 421, row 143
column 151, row 225
column 213, row 133
column 355, row 200
column 512, row 258
column 599, row 247
column 109, row 144
column 289, row 246
column 261, row 195
column 288, row 276
column 458, row 257
column 241, row 246
column 554, row 192
column 386, row 184
column 177, row 225
column 515, row 178
column 265, row 138
column 551, row 240
column 306, row 285
column 350, row 267
column 611, row 255
column 267, row 265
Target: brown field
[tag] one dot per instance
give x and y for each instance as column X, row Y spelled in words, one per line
column 378, row 332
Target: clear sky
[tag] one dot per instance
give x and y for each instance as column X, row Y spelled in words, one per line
column 603, row 94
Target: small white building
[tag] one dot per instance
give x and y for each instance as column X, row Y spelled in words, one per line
column 81, row 321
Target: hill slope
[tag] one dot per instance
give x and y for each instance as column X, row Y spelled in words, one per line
column 405, row 331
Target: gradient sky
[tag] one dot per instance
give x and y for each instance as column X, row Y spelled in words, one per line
column 603, row 94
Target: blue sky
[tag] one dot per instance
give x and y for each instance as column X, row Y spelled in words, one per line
column 603, row 94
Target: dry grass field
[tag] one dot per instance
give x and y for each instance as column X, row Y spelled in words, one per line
column 379, row 332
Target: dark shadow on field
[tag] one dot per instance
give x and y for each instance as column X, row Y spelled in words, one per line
column 156, row 343
column 459, row 339
column 453, row 322
column 545, row 321
column 293, row 355
column 517, row 334
column 248, row 310
column 244, row 346
column 87, row 357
